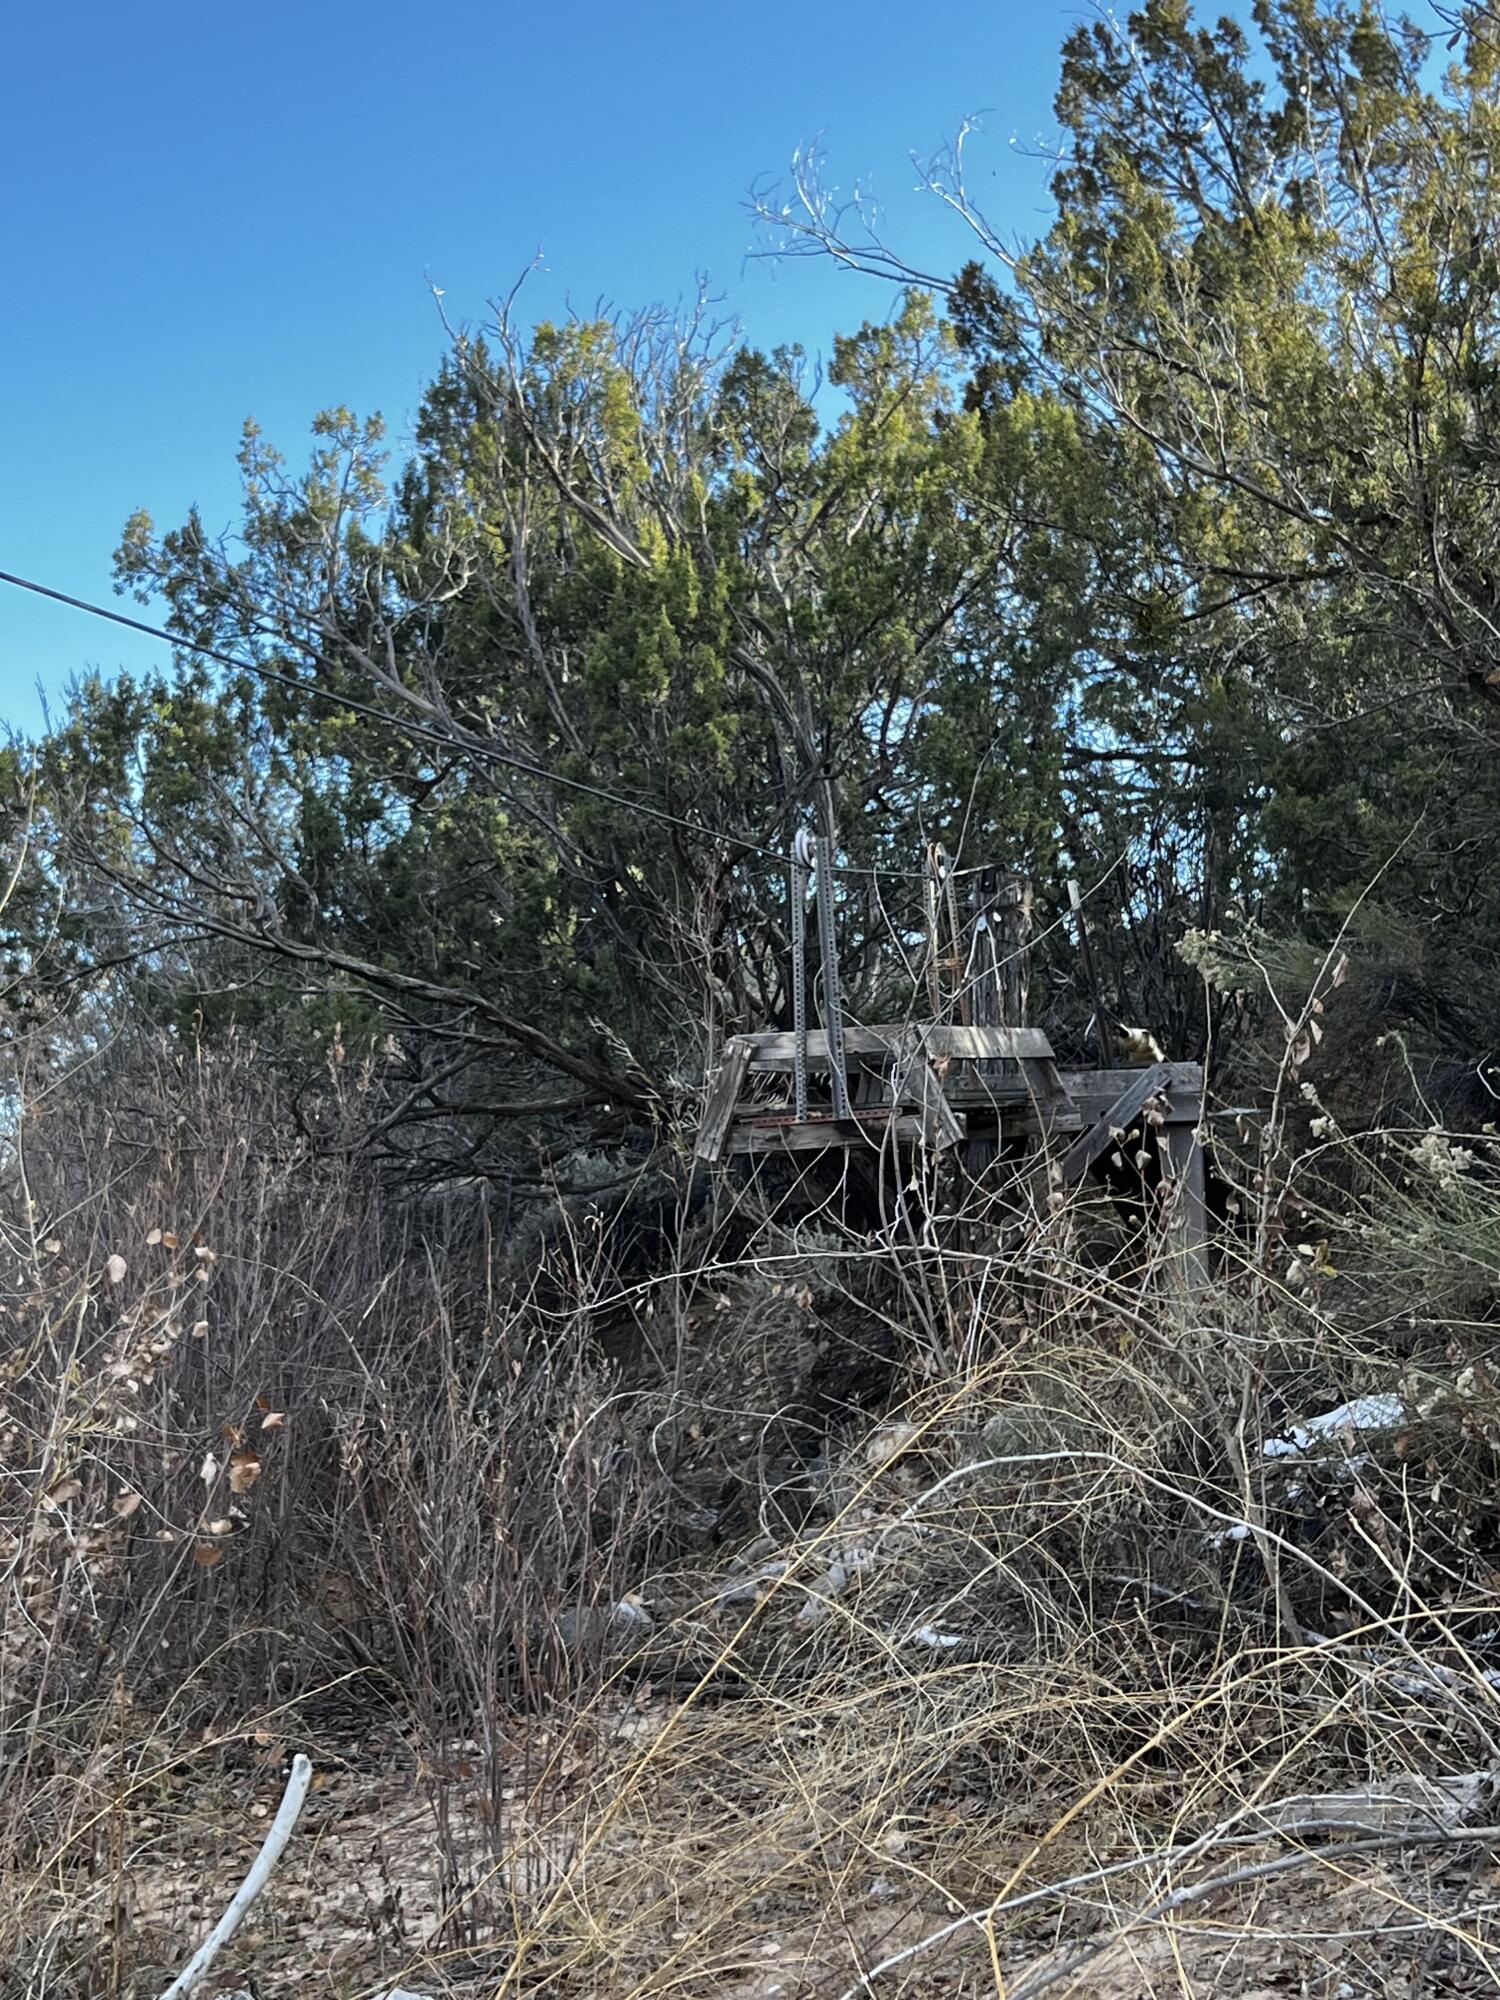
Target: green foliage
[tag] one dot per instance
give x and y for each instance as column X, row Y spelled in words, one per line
column 522, row 737
column 1169, row 560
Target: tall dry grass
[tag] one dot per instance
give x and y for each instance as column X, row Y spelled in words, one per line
column 972, row 1640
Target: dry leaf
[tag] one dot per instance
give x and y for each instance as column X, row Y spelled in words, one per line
column 221, row 1527
column 209, row 1471
column 67, row 1488
column 207, row 1554
column 205, row 1255
column 153, row 1237
column 126, row 1504
column 53, row 1246
column 244, row 1470
column 116, row 1268
column 168, row 1240
column 200, row 1329
column 273, row 1420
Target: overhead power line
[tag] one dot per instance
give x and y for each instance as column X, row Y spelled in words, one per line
column 405, row 725
column 409, row 726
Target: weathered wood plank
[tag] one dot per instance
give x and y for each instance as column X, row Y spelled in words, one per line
column 983, row 1090
column 914, row 1081
column 817, row 1134
column 1110, row 1082
column 1085, row 1149
column 722, row 1097
column 976, row 1043
column 1094, row 1091
column 1020, row 1121
column 777, row 1050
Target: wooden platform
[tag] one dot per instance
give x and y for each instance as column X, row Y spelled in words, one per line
column 933, row 1083
column 942, row 1086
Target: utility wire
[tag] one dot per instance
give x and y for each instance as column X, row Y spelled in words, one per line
column 407, row 726
column 475, row 746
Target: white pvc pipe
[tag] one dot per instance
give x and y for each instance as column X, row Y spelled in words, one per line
column 287, row 1815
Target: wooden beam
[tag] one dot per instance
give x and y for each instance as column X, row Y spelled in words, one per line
column 1094, row 1091
column 722, row 1097
column 1187, row 1218
column 777, row 1051
column 819, row 1134
column 914, row 1081
column 977, row 1043
column 1085, row 1149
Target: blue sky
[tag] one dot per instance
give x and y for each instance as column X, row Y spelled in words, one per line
column 215, row 212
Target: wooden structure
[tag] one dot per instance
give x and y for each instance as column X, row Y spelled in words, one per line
column 975, row 1086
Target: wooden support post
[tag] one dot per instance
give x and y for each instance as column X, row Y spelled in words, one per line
column 1010, row 923
column 1187, row 1220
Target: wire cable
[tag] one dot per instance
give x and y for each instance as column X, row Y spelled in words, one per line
column 475, row 746
column 459, row 740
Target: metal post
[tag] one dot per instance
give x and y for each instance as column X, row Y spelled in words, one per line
column 802, row 861
column 935, row 863
column 833, row 997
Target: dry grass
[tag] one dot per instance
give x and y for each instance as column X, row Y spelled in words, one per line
column 989, row 1651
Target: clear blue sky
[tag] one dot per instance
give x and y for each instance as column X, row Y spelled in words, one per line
column 214, row 212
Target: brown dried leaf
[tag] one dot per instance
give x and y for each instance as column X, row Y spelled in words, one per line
column 207, row 1554
column 126, row 1504
column 244, row 1470
column 116, row 1268
column 273, row 1420
column 168, row 1240
column 64, row 1489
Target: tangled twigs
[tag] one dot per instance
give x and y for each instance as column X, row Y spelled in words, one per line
column 1330, row 1857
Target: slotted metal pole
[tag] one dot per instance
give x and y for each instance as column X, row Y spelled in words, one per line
column 934, row 936
column 802, row 863
column 833, row 996
column 828, row 946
